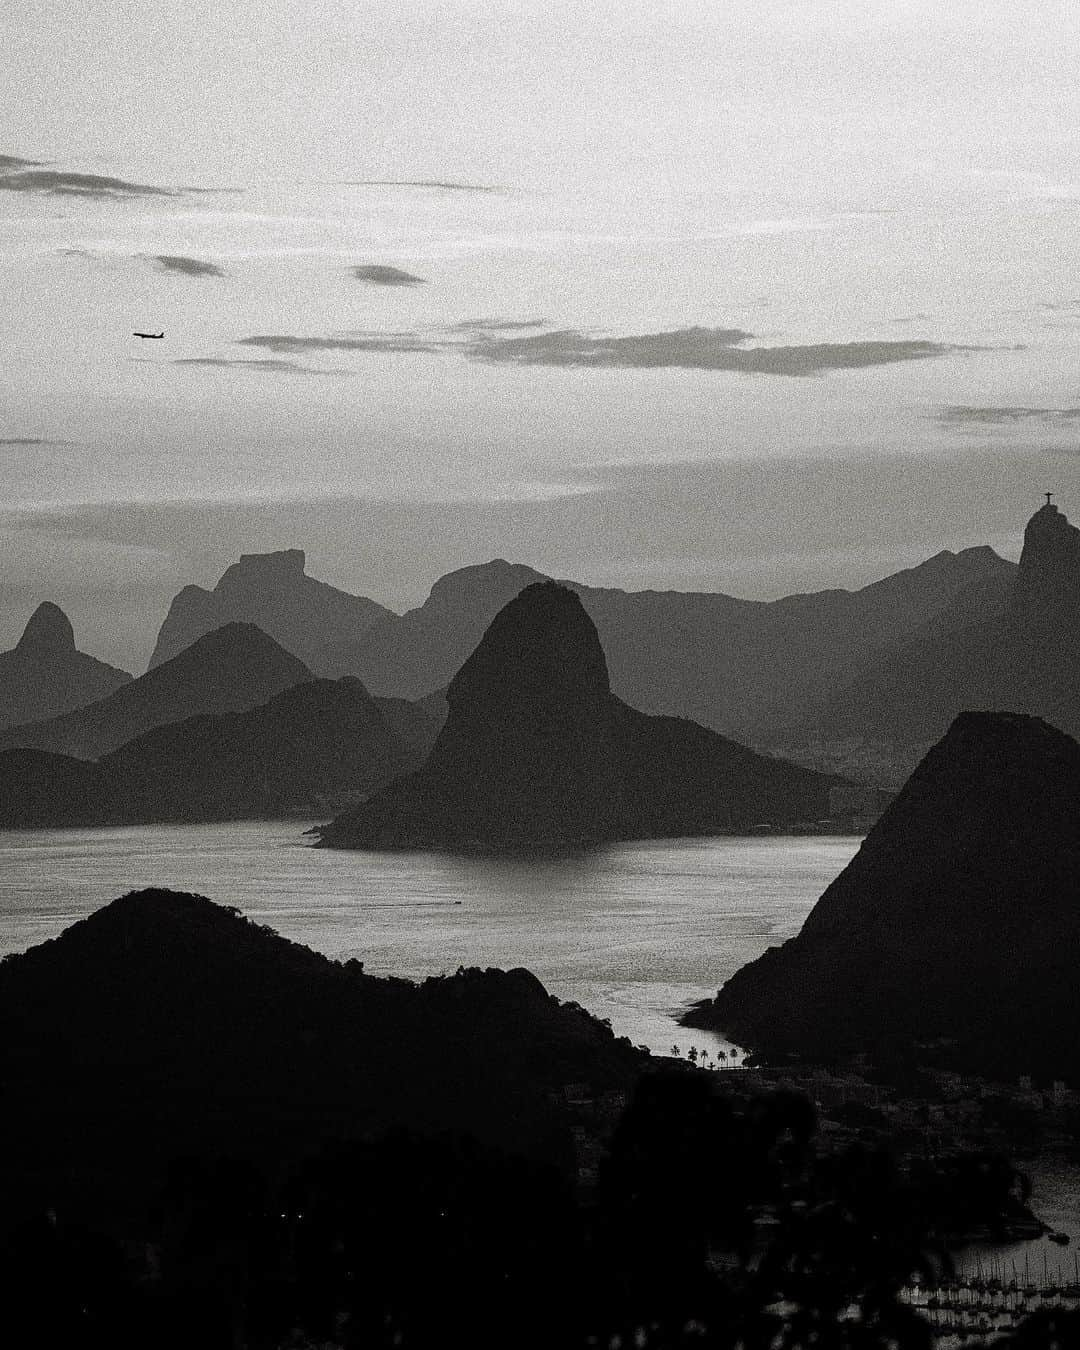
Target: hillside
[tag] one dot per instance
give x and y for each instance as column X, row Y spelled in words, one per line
column 166, row 1025
column 232, row 668
column 956, row 926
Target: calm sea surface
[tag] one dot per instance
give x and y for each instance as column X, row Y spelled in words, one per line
column 634, row 932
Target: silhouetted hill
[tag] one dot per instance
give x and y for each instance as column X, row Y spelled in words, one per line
column 319, row 746
column 958, row 921
column 44, row 674
column 747, row 668
column 536, row 748
column 1021, row 656
column 235, row 667
column 165, row 1025
column 314, row 621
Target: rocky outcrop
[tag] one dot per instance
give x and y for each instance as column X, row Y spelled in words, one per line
column 537, row 749
column 234, row 667
column 956, row 926
column 314, row 621
column 45, row 674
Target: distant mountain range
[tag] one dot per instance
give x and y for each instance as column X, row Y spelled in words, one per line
column 235, row 667
column 955, row 928
column 536, row 749
column 764, row 672
column 45, row 674
column 749, row 669
column 314, row 621
column 858, row 683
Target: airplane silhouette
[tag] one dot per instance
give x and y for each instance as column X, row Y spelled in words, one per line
column 148, row 335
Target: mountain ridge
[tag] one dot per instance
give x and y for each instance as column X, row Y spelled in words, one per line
column 231, row 668
column 310, row 618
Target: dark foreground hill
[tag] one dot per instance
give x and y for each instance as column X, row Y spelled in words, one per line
column 234, row 667
column 536, row 749
column 45, row 674
column 166, row 1025
column 319, row 746
column 314, row 621
column 214, row 1137
column 956, row 926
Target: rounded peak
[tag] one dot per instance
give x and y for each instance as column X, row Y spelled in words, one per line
column 49, row 630
column 542, row 644
column 495, row 575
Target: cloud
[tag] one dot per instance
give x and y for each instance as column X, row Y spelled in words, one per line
column 91, row 185
column 965, row 415
column 719, row 349
column 265, row 363
column 188, row 267
column 8, row 442
column 698, row 349
column 377, row 275
column 10, row 162
column 443, row 185
column 494, row 325
column 389, row 342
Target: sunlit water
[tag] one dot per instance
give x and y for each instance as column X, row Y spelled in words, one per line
column 634, row 932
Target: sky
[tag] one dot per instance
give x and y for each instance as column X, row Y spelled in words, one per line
column 758, row 296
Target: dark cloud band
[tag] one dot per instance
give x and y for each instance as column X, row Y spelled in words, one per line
column 284, row 343
column 961, row 415
column 60, row 181
column 717, row 349
column 188, row 267
column 443, row 185
column 268, row 364
column 376, row 274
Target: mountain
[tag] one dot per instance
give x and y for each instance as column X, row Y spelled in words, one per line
column 316, row 747
column 747, row 668
column 314, row 621
column 413, row 654
column 234, row 667
column 537, row 749
column 165, row 1026
column 956, row 923
column 45, row 674
column 1021, row 658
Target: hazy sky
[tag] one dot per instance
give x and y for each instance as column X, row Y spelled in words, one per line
column 753, row 296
